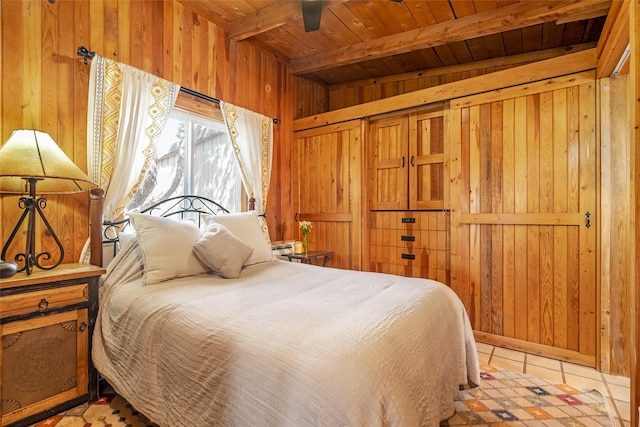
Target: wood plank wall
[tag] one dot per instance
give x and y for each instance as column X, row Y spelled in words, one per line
column 44, row 84
column 327, row 164
column 358, row 92
column 616, row 227
column 633, row 95
column 615, row 256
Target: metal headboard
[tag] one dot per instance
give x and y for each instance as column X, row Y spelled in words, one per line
column 178, row 207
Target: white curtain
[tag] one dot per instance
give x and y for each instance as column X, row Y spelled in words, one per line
column 127, row 111
column 251, row 135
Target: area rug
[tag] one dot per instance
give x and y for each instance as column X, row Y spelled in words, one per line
column 110, row 410
column 504, row 398
column 507, row 398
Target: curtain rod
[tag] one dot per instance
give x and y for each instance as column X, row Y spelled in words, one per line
column 87, row 54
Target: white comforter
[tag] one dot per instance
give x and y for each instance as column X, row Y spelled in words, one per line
column 286, row 344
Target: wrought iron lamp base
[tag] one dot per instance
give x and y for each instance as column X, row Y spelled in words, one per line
column 32, row 206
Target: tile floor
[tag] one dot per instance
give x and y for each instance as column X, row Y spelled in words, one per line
column 616, row 390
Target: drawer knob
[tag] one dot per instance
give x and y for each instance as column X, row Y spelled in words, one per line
column 43, row 304
column 408, row 256
column 83, row 326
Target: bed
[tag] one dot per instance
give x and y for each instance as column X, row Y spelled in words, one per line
column 280, row 344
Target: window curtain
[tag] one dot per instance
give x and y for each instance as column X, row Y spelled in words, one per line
column 127, row 112
column 127, row 109
column 251, row 135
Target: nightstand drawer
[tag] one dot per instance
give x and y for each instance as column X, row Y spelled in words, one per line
column 40, row 301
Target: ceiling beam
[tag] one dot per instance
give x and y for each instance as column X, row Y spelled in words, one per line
column 494, row 21
column 201, row 9
column 264, row 19
column 268, row 18
column 589, row 13
column 614, row 38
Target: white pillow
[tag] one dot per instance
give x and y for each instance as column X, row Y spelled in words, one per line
column 246, row 227
column 126, row 236
column 167, row 247
column 221, row 251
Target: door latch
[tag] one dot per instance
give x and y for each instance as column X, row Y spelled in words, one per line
column 588, row 219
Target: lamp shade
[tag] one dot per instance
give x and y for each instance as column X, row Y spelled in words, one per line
column 33, row 154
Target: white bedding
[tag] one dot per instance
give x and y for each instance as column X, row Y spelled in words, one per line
column 286, row 344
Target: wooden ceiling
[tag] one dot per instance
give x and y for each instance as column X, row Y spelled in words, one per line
column 366, row 39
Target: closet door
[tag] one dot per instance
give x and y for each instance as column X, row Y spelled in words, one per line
column 328, row 167
column 389, row 182
column 523, row 234
column 426, row 161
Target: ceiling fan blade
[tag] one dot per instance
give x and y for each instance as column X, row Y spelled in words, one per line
column 311, row 14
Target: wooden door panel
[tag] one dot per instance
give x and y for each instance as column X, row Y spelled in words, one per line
column 547, row 268
column 426, row 161
column 389, row 162
column 523, row 260
column 328, row 167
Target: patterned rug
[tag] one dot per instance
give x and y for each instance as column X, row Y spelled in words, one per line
column 507, row 398
column 110, row 410
column 504, row 398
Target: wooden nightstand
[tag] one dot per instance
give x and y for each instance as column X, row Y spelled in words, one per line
column 46, row 323
column 308, row 257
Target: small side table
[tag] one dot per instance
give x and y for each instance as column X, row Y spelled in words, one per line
column 309, row 256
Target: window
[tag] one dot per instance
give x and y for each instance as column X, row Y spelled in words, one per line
column 194, row 156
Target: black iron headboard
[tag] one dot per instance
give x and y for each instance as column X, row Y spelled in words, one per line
column 181, row 207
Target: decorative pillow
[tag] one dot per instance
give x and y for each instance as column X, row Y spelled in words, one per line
column 221, row 251
column 167, row 247
column 126, row 236
column 246, row 227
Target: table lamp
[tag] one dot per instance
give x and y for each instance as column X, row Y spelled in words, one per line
column 31, row 157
